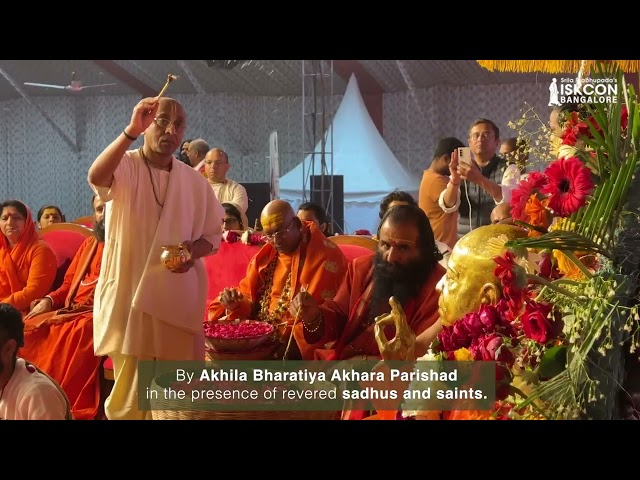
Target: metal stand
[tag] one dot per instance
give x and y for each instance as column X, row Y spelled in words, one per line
column 317, row 117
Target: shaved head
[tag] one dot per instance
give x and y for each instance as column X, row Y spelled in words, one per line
column 171, row 105
column 281, row 226
column 275, row 214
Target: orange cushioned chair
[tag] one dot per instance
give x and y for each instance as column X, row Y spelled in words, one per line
column 64, row 239
column 87, row 221
column 354, row 246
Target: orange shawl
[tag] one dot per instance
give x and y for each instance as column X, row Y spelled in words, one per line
column 318, row 262
column 13, row 265
column 79, row 267
column 344, row 315
column 344, row 319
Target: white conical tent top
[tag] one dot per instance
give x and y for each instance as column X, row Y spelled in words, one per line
column 360, row 154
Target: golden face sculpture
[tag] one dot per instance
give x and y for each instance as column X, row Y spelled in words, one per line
column 470, row 281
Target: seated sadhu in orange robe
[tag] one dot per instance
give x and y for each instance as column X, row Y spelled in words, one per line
column 27, row 264
column 405, row 267
column 58, row 333
column 297, row 255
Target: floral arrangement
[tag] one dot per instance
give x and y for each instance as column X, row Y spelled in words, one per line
column 248, row 237
column 569, row 306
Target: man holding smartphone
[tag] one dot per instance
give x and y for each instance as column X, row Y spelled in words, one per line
column 488, row 181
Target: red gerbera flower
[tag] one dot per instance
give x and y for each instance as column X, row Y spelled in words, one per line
column 531, row 185
column 569, row 185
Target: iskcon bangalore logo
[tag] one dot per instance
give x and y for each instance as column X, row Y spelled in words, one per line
column 584, row 91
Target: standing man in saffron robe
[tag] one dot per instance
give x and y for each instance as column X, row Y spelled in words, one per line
column 143, row 310
column 405, row 267
column 297, row 254
column 58, row 332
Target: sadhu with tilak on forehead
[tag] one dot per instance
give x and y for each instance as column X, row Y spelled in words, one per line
column 296, row 254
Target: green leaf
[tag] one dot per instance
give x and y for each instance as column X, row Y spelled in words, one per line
column 553, row 362
column 560, row 240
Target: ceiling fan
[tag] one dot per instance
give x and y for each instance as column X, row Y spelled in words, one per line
column 74, row 86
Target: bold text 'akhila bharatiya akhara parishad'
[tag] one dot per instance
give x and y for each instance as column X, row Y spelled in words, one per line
column 310, row 377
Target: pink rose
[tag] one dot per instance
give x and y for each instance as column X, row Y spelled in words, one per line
column 473, row 324
column 489, row 317
column 460, row 335
column 489, row 348
column 444, row 337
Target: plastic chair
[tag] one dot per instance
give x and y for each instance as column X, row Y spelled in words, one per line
column 354, row 246
column 65, row 240
column 87, row 221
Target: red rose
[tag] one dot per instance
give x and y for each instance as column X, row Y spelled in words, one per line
column 536, row 322
column 490, row 347
column 502, row 307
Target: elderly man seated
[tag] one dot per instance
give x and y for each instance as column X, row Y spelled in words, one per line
column 296, row 256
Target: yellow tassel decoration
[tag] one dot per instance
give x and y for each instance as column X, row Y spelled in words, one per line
column 551, row 66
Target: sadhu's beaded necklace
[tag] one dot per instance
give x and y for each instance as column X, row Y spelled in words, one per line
column 265, row 301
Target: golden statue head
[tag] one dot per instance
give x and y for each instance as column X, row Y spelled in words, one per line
column 470, row 281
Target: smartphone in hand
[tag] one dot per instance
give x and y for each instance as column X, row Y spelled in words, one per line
column 464, row 155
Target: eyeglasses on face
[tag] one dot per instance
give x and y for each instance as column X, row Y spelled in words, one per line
column 179, row 125
column 278, row 234
column 484, row 135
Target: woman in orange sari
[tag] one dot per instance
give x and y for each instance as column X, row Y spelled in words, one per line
column 27, row 264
